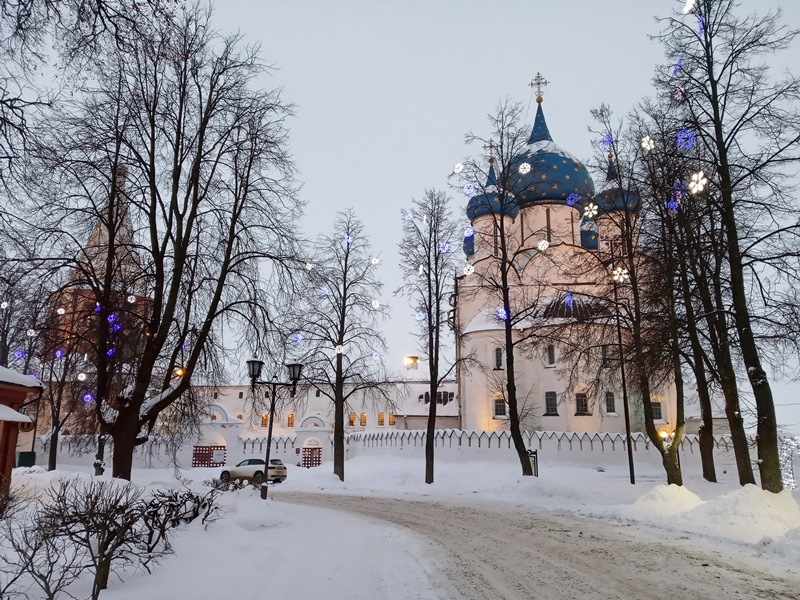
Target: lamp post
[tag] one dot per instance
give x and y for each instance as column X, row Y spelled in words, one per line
column 620, row 275
column 254, row 367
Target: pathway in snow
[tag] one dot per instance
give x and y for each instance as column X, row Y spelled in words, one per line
column 521, row 553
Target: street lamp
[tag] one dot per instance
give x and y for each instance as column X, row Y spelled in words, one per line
column 254, row 368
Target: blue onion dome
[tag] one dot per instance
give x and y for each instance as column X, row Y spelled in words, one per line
column 611, row 197
column 544, row 173
column 489, row 202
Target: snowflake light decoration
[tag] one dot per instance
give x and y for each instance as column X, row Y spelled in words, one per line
column 33, row 375
column 620, row 275
column 110, row 352
column 30, row 333
column 590, row 210
column 112, row 318
column 377, row 356
column 309, row 266
column 18, row 354
column 697, row 183
column 501, row 314
column 81, row 376
column 543, row 245
column 673, row 205
column 97, row 307
column 60, row 311
column 679, row 190
column 3, row 305
column 339, row 349
column 458, row 168
column 607, row 140
column 376, row 304
column 444, row 247
column 686, row 138
column 116, row 327
column 408, row 217
column 131, row 299
column 569, row 300
column 701, row 24
column 88, row 397
column 421, row 315
column 375, row 261
column 647, row 143
column 348, row 239
column 677, row 68
column 525, row 168
column 468, row 189
column 298, row 337
column 468, row 231
column 58, row 354
column 572, row 199
column 324, row 291
column 469, row 270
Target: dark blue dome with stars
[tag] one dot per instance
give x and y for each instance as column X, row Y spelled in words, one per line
column 489, row 202
column 612, row 197
column 543, row 173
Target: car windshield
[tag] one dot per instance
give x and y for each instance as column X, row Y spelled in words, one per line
column 243, row 463
column 275, row 461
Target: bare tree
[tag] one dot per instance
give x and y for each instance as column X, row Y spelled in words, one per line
column 428, row 262
column 749, row 124
column 344, row 347
column 175, row 170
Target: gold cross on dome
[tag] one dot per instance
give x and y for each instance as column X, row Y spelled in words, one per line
column 490, row 147
column 538, row 83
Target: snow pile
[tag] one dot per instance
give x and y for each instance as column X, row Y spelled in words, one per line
column 668, row 500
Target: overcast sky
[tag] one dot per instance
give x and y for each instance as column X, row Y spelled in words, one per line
column 385, row 92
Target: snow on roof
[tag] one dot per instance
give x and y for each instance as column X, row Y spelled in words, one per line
column 9, row 414
column 10, row 377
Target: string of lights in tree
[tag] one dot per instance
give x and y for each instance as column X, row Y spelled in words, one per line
column 789, row 447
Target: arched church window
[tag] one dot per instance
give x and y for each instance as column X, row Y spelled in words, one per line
column 551, row 354
column 611, row 405
column 498, row 358
column 499, row 406
column 550, row 404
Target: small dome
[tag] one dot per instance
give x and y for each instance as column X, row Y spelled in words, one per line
column 546, row 174
column 612, row 198
column 489, row 203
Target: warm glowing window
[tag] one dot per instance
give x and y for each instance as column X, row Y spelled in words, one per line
column 363, row 419
column 213, row 417
column 380, row 419
column 265, row 419
column 290, row 420
column 392, row 419
column 499, row 406
column 611, row 405
column 352, row 419
column 658, row 415
column 581, row 404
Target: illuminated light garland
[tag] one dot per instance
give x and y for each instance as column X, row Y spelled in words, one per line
column 620, row 275
column 697, row 183
column 469, row 270
column 786, row 459
column 458, row 168
column 686, row 138
column 501, row 314
column 525, row 168
column 468, row 231
column 324, row 291
column 468, row 190
column 444, row 247
column 112, row 318
column 647, row 143
column 673, row 205
column 607, row 140
column 590, row 210
column 572, row 199
column 543, row 245
column 679, row 189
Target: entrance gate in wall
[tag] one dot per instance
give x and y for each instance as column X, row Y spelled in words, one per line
column 312, row 453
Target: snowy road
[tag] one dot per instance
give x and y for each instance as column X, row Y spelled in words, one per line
column 516, row 553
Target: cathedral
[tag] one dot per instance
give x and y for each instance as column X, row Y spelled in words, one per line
column 541, row 253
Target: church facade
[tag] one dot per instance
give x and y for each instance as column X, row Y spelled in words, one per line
column 540, row 215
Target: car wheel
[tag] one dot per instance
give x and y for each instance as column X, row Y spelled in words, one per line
column 258, row 477
column 225, row 477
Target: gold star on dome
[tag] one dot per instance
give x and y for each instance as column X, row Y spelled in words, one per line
column 566, row 176
column 544, row 176
column 555, row 166
column 555, row 186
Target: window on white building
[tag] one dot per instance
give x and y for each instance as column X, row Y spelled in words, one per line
column 352, row 419
column 611, row 403
column 265, row 419
column 581, row 404
column 363, row 419
column 550, row 404
column 498, row 358
column 658, row 415
column 551, row 354
column 241, row 394
column 380, row 419
column 392, row 419
column 290, row 420
column 500, row 406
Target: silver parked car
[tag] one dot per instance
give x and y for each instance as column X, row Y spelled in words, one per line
column 253, row 469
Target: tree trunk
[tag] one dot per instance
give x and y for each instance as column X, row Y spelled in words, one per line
column 99, row 458
column 430, row 435
column 101, row 577
column 53, row 449
column 124, row 435
column 513, row 414
column 338, row 422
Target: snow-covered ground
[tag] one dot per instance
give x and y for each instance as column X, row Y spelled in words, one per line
column 262, row 548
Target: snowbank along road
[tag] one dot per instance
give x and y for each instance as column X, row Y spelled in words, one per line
column 509, row 552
